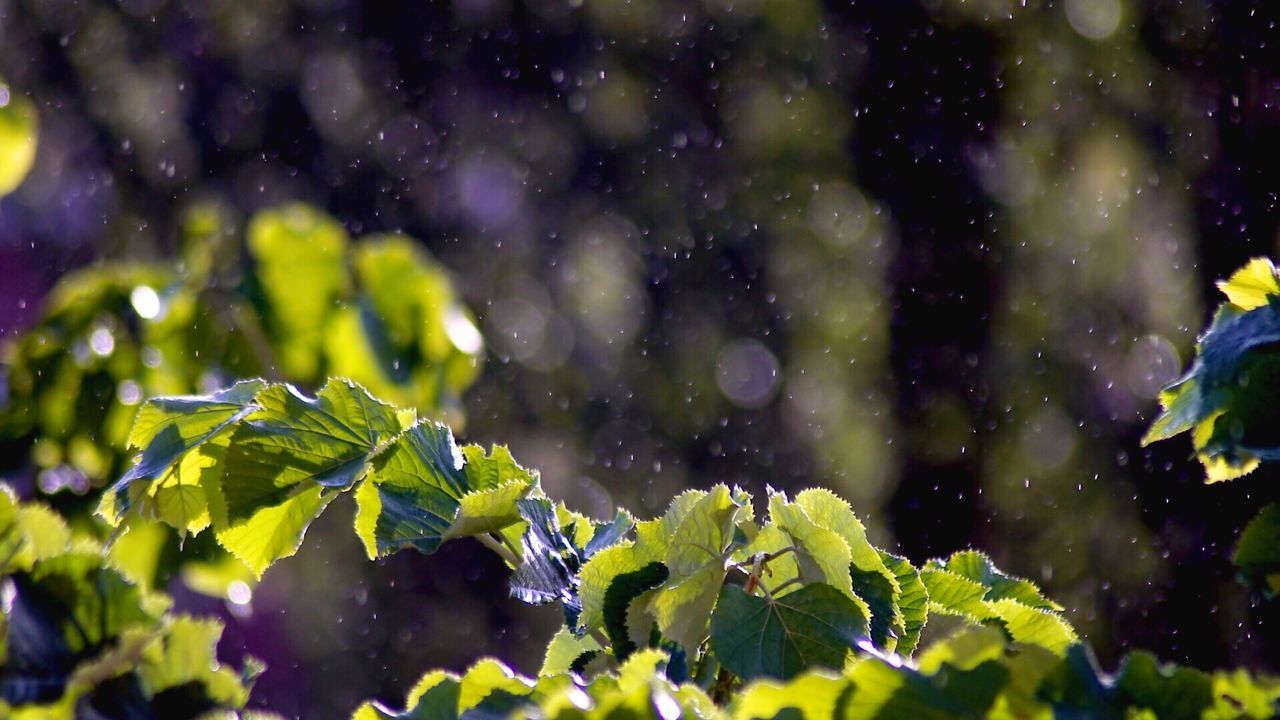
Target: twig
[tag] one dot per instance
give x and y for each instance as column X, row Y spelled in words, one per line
column 503, row 551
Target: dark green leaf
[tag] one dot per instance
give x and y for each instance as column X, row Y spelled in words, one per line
column 913, row 603
column 816, row 626
column 413, row 495
column 617, row 601
column 1258, row 552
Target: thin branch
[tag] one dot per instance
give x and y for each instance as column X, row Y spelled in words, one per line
column 601, row 639
column 503, row 551
column 788, row 583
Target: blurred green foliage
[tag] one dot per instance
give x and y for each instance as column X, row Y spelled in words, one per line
column 82, row 638
column 19, row 128
column 306, row 302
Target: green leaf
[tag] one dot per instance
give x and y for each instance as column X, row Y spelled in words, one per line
column 809, row 696
column 495, row 482
column 167, row 427
column 821, row 556
column 1227, row 396
column 549, row 563
column 952, row 594
column 888, row 692
column 597, row 576
column 969, row 586
column 1252, row 286
column 65, row 611
column 1027, row 666
column 1182, row 408
column 1237, row 694
column 701, row 528
column 30, row 533
column 291, row 441
column 623, row 591
column 274, row 532
column 487, row 681
column 816, row 626
column 300, row 258
column 185, row 655
column 1258, row 552
column 1034, row 626
column 702, row 533
column 978, row 567
column 434, row 698
column 19, row 128
column 166, row 480
column 423, row 491
column 873, row 580
column 277, row 465
column 566, row 651
column 913, row 602
column 1077, row 688
column 1169, row 691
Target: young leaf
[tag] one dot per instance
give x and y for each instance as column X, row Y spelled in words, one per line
column 1252, row 286
column 1034, row 626
column 185, row 656
column 598, row 575
column 274, row 532
column 491, row 684
column 969, row 586
column 952, row 594
column 978, row 567
column 702, row 530
column 820, row 554
column 816, row 626
column 29, row 532
column 873, row 581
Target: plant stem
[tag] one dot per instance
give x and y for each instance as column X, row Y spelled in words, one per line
column 503, row 551
column 601, row 639
column 720, row 689
column 788, row 583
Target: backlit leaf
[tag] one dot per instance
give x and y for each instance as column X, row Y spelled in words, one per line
column 816, row 626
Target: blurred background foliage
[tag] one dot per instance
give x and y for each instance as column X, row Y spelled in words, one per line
column 938, row 256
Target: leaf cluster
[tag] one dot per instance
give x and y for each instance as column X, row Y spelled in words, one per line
column 716, row 608
column 1227, row 401
column 80, row 638
column 310, row 301
column 975, row 673
column 306, row 302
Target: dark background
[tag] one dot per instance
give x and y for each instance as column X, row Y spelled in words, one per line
column 937, row 256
